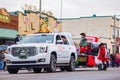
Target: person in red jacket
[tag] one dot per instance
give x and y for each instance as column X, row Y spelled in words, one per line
column 102, row 54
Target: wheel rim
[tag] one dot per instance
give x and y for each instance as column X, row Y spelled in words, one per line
column 73, row 63
column 53, row 63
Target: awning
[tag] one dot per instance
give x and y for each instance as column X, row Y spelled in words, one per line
column 8, row 33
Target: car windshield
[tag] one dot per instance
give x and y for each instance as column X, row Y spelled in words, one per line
column 38, row 39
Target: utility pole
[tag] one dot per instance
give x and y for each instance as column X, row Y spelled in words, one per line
column 114, row 34
column 40, row 7
column 61, row 10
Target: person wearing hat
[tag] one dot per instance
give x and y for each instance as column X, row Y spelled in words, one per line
column 2, row 57
column 17, row 38
column 83, row 42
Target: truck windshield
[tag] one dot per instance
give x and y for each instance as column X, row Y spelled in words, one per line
column 38, row 39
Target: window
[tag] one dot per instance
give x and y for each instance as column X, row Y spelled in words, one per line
column 113, row 33
column 38, row 39
column 58, row 39
column 65, row 41
column 117, row 33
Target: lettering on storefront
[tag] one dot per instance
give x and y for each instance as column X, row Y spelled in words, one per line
column 4, row 16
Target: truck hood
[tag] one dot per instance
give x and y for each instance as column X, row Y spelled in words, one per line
column 31, row 44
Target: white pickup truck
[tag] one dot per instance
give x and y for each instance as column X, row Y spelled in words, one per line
column 42, row 51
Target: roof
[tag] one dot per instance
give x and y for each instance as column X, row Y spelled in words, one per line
column 96, row 16
column 52, row 33
column 13, row 13
column 8, row 33
column 84, row 17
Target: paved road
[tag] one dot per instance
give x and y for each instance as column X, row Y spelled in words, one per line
column 79, row 74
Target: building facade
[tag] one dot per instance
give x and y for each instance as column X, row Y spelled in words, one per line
column 30, row 22
column 8, row 27
column 27, row 22
column 106, row 28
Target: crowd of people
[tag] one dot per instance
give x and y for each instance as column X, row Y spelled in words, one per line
column 114, row 59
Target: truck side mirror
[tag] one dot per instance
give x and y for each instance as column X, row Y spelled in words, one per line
column 17, row 42
column 59, row 42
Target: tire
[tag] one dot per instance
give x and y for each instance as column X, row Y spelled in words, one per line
column 72, row 65
column 12, row 70
column 37, row 70
column 62, row 68
column 105, row 67
column 100, row 68
column 52, row 66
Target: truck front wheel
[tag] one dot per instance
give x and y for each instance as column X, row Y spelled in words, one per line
column 12, row 70
column 52, row 66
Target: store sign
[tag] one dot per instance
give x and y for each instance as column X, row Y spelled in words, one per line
column 4, row 16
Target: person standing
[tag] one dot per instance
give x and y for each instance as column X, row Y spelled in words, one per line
column 17, row 38
column 102, row 55
column 116, row 55
column 112, row 60
column 5, row 52
column 83, row 43
column 2, row 57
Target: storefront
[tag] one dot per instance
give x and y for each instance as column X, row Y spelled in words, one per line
column 8, row 27
column 7, row 36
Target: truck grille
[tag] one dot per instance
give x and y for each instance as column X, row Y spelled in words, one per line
column 22, row 62
column 31, row 51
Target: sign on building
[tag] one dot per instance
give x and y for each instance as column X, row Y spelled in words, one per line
column 4, row 16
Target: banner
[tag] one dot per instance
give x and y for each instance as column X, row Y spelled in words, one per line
column 4, row 16
column 92, row 38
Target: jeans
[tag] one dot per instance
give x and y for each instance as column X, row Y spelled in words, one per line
column 1, row 65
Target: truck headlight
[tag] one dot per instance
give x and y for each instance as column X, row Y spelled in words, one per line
column 43, row 49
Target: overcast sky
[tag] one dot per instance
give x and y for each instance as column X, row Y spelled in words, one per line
column 70, row 8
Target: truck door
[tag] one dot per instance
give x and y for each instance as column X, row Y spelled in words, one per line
column 59, row 48
column 65, row 49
